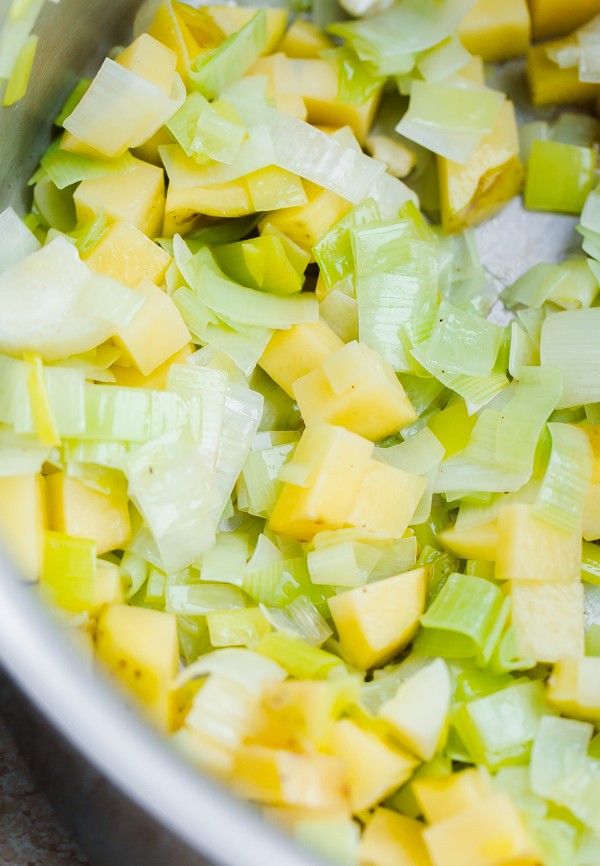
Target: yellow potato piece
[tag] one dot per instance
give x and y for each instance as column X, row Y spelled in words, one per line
column 84, row 512
column 186, row 208
column 22, row 522
column 297, row 715
column 374, row 768
column 496, row 31
column 304, row 40
column 474, row 542
column 443, row 796
column 374, row 622
column 230, row 19
column 392, row 839
column 281, row 778
column 529, row 549
column 127, row 255
column 150, row 59
column 169, row 28
column 156, row 333
column 387, row 500
column 547, row 619
column 476, row 191
column 574, row 688
column 331, row 463
column 293, row 353
column 304, row 225
column 355, row 388
column 555, row 17
column 203, row 752
column 108, row 586
column 489, row 834
column 136, row 196
column 551, row 85
column 130, row 377
column 141, row 649
column 400, row 160
column 591, row 514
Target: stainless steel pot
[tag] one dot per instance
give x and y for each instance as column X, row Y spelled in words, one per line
column 120, row 791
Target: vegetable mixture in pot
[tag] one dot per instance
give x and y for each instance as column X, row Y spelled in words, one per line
column 263, row 449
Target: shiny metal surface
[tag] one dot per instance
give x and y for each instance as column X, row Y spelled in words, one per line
column 117, row 786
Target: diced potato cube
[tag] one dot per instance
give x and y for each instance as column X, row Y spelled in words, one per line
column 549, row 84
column 280, row 778
column 418, row 712
column 141, row 649
column 185, row 208
column 548, row 620
column 297, row 715
column 374, row 768
column 304, row 40
column 356, row 388
column 476, row 191
column 130, row 377
column 126, row 254
column 529, row 549
column 170, row 29
column 374, row 622
column 400, row 160
column 591, row 514
column 294, row 353
column 71, row 144
column 136, row 196
column 108, row 587
column 305, row 225
column 331, row 463
column 359, row 117
column 473, row 542
column 150, row 59
column 443, row 796
column 81, row 511
column 496, row 31
column 574, row 688
column 392, row 839
column 156, row 333
column 555, row 17
column 295, row 106
column 22, row 520
column 286, row 817
column 387, row 500
column 491, row 833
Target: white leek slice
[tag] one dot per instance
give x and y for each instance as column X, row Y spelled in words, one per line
column 570, row 342
column 175, row 492
column 588, row 40
column 52, row 304
column 16, row 240
column 20, row 21
column 21, row 454
column 122, row 110
column 450, row 121
column 240, row 665
column 562, row 495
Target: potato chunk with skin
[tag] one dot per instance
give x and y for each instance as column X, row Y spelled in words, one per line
column 331, row 463
column 83, row 512
column 373, row 767
column 547, row 619
column 356, row 388
column 392, row 839
column 140, row 647
column 374, row 622
column 279, row 778
column 529, row 549
column 22, row 520
column 156, row 333
column 127, row 255
column 293, row 353
column 386, row 500
column 491, row 833
column 496, row 31
column 574, row 688
column 136, row 196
